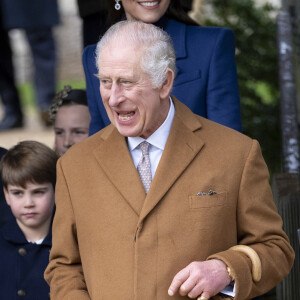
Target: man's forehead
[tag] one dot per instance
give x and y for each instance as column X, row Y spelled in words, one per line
column 126, row 58
column 118, row 45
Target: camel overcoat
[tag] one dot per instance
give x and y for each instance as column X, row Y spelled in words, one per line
column 112, row 241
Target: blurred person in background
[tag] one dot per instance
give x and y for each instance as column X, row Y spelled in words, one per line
column 37, row 18
column 71, row 118
column 12, row 114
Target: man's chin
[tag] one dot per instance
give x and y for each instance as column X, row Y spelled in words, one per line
column 127, row 132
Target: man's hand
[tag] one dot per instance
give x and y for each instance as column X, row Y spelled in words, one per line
column 202, row 278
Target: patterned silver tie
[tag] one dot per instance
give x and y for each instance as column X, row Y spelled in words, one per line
column 144, row 167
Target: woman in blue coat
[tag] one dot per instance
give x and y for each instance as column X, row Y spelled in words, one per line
column 206, row 79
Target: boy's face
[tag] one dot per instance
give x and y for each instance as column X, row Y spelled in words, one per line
column 32, row 206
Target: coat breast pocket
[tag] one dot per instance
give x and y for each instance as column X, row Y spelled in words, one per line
column 207, row 201
column 185, row 77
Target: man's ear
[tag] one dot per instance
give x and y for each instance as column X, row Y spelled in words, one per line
column 6, row 196
column 167, row 85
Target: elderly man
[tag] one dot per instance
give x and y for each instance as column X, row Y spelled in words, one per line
column 161, row 202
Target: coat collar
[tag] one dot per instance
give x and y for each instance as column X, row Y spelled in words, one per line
column 181, row 147
column 13, row 234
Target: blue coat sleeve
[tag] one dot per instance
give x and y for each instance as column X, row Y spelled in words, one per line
column 99, row 117
column 222, row 100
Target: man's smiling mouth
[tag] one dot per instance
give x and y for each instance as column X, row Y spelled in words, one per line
column 125, row 116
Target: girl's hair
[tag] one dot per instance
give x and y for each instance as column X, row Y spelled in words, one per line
column 28, row 162
column 67, row 96
column 175, row 11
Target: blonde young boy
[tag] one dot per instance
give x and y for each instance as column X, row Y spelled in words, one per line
column 28, row 174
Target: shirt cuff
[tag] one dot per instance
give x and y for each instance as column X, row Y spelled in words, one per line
column 229, row 290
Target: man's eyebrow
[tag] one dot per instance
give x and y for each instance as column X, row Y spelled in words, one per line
column 101, row 76
column 97, row 75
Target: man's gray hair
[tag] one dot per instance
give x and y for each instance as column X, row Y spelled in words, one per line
column 158, row 51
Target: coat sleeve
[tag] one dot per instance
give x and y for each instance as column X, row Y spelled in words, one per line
column 260, row 227
column 222, row 99
column 93, row 91
column 64, row 273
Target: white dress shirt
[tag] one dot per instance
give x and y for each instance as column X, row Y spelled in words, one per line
column 157, row 142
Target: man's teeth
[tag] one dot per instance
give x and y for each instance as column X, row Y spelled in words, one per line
column 125, row 117
column 149, row 4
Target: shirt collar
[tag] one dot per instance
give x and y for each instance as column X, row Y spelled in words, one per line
column 160, row 136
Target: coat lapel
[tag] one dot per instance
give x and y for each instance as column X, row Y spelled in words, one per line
column 120, row 170
column 181, row 148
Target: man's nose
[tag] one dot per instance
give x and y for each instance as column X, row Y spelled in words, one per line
column 116, row 95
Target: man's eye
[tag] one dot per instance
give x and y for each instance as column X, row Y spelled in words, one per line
column 125, row 82
column 104, row 82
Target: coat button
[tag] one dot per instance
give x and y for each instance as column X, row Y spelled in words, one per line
column 22, row 251
column 21, row 293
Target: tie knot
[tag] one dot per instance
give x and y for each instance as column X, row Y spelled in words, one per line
column 144, row 146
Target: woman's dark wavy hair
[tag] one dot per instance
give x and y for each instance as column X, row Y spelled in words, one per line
column 175, row 11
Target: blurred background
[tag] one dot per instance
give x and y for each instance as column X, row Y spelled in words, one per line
column 68, row 41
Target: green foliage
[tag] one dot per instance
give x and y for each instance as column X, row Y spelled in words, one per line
column 79, row 84
column 256, row 58
column 27, row 94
